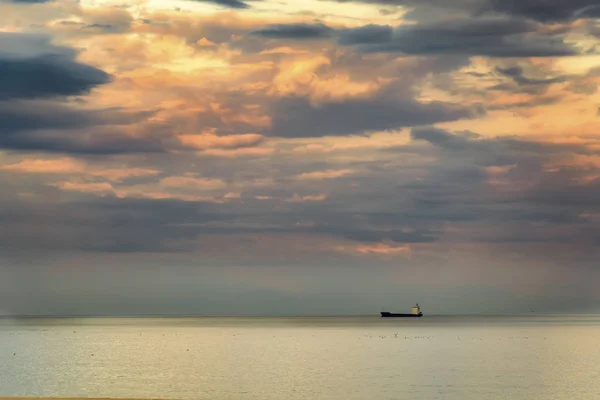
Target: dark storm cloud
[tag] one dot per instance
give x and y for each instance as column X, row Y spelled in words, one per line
column 296, row 117
column 46, row 76
column 473, row 37
column 541, row 10
column 366, row 34
column 492, row 37
column 547, row 10
column 295, row 31
column 31, row 67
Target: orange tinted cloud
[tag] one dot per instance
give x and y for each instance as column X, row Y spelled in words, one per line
column 41, row 166
column 303, row 199
column 180, row 188
column 70, row 166
column 329, row 174
column 243, row 152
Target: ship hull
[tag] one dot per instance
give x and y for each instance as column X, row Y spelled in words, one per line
column 393, row 315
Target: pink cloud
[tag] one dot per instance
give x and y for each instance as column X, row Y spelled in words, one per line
column 377, row 249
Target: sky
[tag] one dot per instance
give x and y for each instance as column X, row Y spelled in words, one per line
column 274, row 157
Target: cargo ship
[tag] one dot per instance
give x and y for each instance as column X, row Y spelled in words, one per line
column 415, row 313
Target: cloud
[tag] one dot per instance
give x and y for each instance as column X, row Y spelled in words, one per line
column 507, row 146
column 546, row 10
column 121, row 225
column 494, row 37
column 366, row 34
column 19, row 116
column 55, row 166
column 247, row 152
column 186, row 189
column 462, row 186
column 329, row 174
column 38, row 69
column 73, row 167
column 295, row 31
column 533, row 85
column 183, row 182
column 513, row 179
column 210, row 141
column 379, row 249
column 440, row 137
column 35, row 77
column 236, row 4
column 489, row 36
column 296, row 117
column 477, row 151
column 460, row 4
column 110, row 20
column 27, row 1
column 53, row 127
column 296, row 198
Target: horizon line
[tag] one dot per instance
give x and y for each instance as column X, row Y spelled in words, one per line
column 74, row 316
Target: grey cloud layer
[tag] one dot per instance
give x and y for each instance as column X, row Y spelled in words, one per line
column 443, row 182
column 545, row 10
column 548, row 10
column 472, row 37
column 296, row 117
column 534, row 194
column 54, row 127
column 295, row 31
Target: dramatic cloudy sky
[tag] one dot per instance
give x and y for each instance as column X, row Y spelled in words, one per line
column 299, row 157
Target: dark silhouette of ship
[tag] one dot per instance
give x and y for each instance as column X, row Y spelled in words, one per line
column 415, row 313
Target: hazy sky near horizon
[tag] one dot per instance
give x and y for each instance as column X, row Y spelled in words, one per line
column 316, row 156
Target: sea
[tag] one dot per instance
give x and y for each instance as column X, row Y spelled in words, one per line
column 292, row 358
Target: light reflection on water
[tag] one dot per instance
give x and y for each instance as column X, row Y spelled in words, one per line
column 445, row 357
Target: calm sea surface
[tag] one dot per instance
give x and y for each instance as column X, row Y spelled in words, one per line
column 537, row 357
